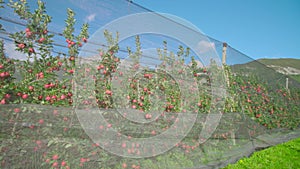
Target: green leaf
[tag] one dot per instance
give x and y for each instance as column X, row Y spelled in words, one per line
column 50, row 143
column 68, row 145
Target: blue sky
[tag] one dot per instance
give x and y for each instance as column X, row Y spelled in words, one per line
column 258, row 28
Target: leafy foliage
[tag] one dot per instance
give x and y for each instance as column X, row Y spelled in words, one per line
column 45, row 79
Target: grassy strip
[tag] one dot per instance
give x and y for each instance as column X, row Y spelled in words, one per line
column 296, row 77
column 286, row 155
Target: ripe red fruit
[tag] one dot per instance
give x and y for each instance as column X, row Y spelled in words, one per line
column 124, row 165
column 49, row 64
column 41, row 121
column 48, row 160
column 100, row 67
column 41, row 40
column 47, row 86
column 148, row 116
column 171, row 107
column 83, row 160
column 62, row 97
column 40, row 75
column 63, row 163
column 148, row 76
column 48, row 98
column 7, row 74
column 72, row 58
column 21, row 45
column 24, row 96
column 28, row 33
column 84, row 39
column 108, row 92
column 59, row 63
column 31, row 88
column 55, row 164
column 3, row 101
column 31, row 50
column 116, row 59
column 55, row 157
column 71, row 71
column 38, row 142
column 7, row 96
column 1, row 66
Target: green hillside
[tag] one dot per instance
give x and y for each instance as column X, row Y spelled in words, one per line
column 284, row 62
column 272, row 71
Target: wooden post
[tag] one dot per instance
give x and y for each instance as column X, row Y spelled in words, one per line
column 224, row 63
column 287, row 83
column 224, row 53
column 233, row 137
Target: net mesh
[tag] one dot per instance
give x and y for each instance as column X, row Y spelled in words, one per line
column 146, row 90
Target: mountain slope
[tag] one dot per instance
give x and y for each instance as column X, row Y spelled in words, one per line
column 284, row 66
column 272, row 71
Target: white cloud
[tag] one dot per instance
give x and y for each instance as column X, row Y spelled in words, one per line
column 205, row 46
column 90, row 17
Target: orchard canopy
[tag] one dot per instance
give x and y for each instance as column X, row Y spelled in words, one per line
column 110, row 84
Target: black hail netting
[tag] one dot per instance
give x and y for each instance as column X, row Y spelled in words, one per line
column 143, row 90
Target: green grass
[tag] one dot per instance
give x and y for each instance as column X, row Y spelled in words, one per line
column 286, row 155
column 296, row 77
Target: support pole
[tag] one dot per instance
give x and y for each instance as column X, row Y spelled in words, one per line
column 287, row 83
column 224, row 53
column 224, row 63
column 233, row 137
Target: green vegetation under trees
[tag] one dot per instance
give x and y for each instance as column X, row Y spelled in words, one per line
column 286, row 155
